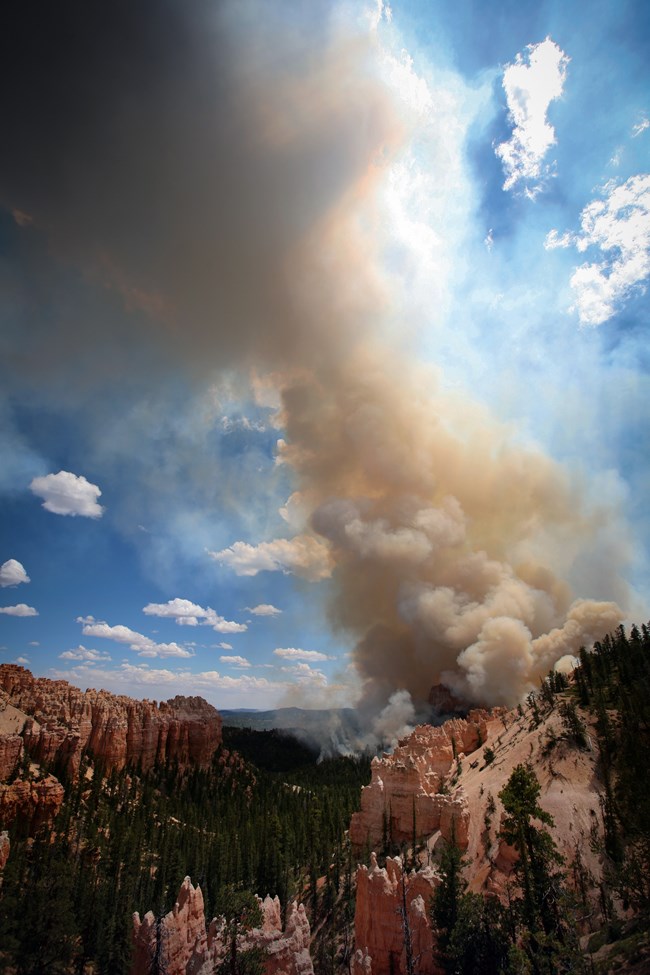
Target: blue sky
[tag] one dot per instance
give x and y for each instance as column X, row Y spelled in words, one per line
column 324, row 345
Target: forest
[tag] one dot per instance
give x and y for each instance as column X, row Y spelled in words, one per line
column 537, row 931
column 124, row 843
column 268, row 818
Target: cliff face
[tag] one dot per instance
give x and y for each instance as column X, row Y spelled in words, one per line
column 11, row 753
column 406, row 785
column 34, row 801
column 391, row 901
column 4, row 849
column 61, row 723
column 184, row 945
column 410, row 779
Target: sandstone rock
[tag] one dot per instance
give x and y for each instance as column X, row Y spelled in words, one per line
column 379, row 922
column 179, row 938
column 185, row 947
column 361, row 963
column 287, row 953
column 4, row 849
column 11, row 752
column 64, row 723
column 408, row 783
column 35, row 802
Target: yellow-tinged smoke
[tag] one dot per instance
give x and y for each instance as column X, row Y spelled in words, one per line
column 449, row 543
column 226, row 183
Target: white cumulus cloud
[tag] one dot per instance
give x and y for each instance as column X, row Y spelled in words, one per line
column 303, row 674
column 295, row 653
column 264, row 609
column 304, row 555
column 20, row 610
column 618, row 225
column 12, row 573
column 235, row 661
column 143, row 645
column 531, row 83
column 163, row 681
column 68, row 494
column 186, row 613
column 81, row 653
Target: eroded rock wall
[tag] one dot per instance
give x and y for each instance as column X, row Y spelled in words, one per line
column 184, row 945
column 391, row 900
column 407, row 785
column 35, row 802
column 62, row 723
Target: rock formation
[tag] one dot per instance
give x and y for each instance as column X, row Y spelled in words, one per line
column 4, row 849
column 405, row 791
column 390, row 900
column 11, row 753
column 61, row 723
column 34, row 801
column 431, row 759
column 185, row 946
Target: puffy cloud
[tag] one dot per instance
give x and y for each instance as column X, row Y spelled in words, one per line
column 68, row 494
column 81, row 653
column 143, row 645
column 225, row 646
column 531, row 83
column 294, row 653
column 235, row 661
column 264, row 609
column 303, row 555
column 619, row 227
column 244, row 690
column 553, row 240
column 303, row 674
column 20, row 610
column 12, row 573
column 22, row 660
column 186, row 613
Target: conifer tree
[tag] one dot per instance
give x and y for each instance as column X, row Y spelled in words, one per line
column 547, row 938
column 447, row 897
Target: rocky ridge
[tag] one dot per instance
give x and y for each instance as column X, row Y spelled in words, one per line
column 388, row 898
column 454, row 758
column 62, row 723
column 5, row 846
column 183, row 943
column 52, row 722
column 410, row 790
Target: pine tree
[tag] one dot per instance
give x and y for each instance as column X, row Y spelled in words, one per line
column 242, row 913
column 447, row 897
column 547, row 938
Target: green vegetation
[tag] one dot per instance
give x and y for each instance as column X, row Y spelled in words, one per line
column 607, row 705
column 242, row 913
column 477, row 933
column 125, row 842
column 613, row 682
column 273, row 751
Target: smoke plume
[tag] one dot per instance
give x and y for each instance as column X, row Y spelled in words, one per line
column 220, row 175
